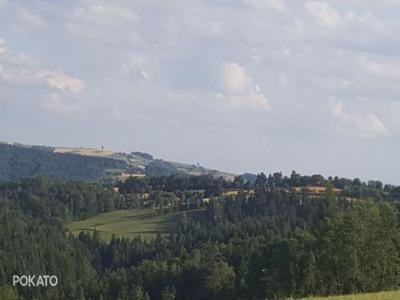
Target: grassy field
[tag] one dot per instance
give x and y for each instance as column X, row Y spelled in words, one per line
column 316, row 189
column 373, row 296
column 132, row 222
column 85, row 151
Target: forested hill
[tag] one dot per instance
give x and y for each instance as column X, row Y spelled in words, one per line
column 87, row 164
column 272, row 243
column 20, row 162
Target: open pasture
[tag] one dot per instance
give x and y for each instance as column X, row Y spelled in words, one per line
column 132, row 222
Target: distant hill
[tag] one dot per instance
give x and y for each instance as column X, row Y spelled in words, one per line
column 88, row 164
column 25, row 161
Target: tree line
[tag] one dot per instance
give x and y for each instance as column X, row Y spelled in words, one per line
column 214, row 186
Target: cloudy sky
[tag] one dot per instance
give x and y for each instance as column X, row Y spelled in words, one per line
column 238, row 85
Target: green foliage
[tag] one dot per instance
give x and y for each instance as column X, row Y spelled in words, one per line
column 8, row 293
column 168, row 294
column 160, row 168
column 44, row 198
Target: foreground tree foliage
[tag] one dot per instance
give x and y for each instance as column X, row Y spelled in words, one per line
column 274, row 243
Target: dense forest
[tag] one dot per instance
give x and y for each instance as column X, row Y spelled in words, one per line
column 273, row 243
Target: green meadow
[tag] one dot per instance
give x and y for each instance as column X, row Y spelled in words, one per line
column 395, row 295
column 132, row 222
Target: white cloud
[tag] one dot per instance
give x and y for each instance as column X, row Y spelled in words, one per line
column 279, row 5
column 3, row 47
column 62, row 82
column 19, row 60
column 109, row 14
column 28, row 21
column 100, row 21
column 116, row 113
column 326, row 14
column 234, row 79
column 59, row 103
column 382, row 70
column 51, row 89
column 135, row 66
column 363, row 125
column 239, row 90
column 25, row 60
column 23, row 68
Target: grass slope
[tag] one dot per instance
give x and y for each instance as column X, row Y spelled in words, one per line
column 373, row 296
column 84, row 151
column 132, row 222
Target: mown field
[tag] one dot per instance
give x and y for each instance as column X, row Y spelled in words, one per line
column 85, row 151
column 132, row 222
column 373, row 296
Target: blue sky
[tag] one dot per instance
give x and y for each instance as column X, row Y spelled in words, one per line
column 244, row 85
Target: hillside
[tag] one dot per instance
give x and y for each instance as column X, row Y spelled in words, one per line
column 20, row 162
column 87, row 164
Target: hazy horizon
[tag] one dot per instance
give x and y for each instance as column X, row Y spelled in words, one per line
column 239, row 86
